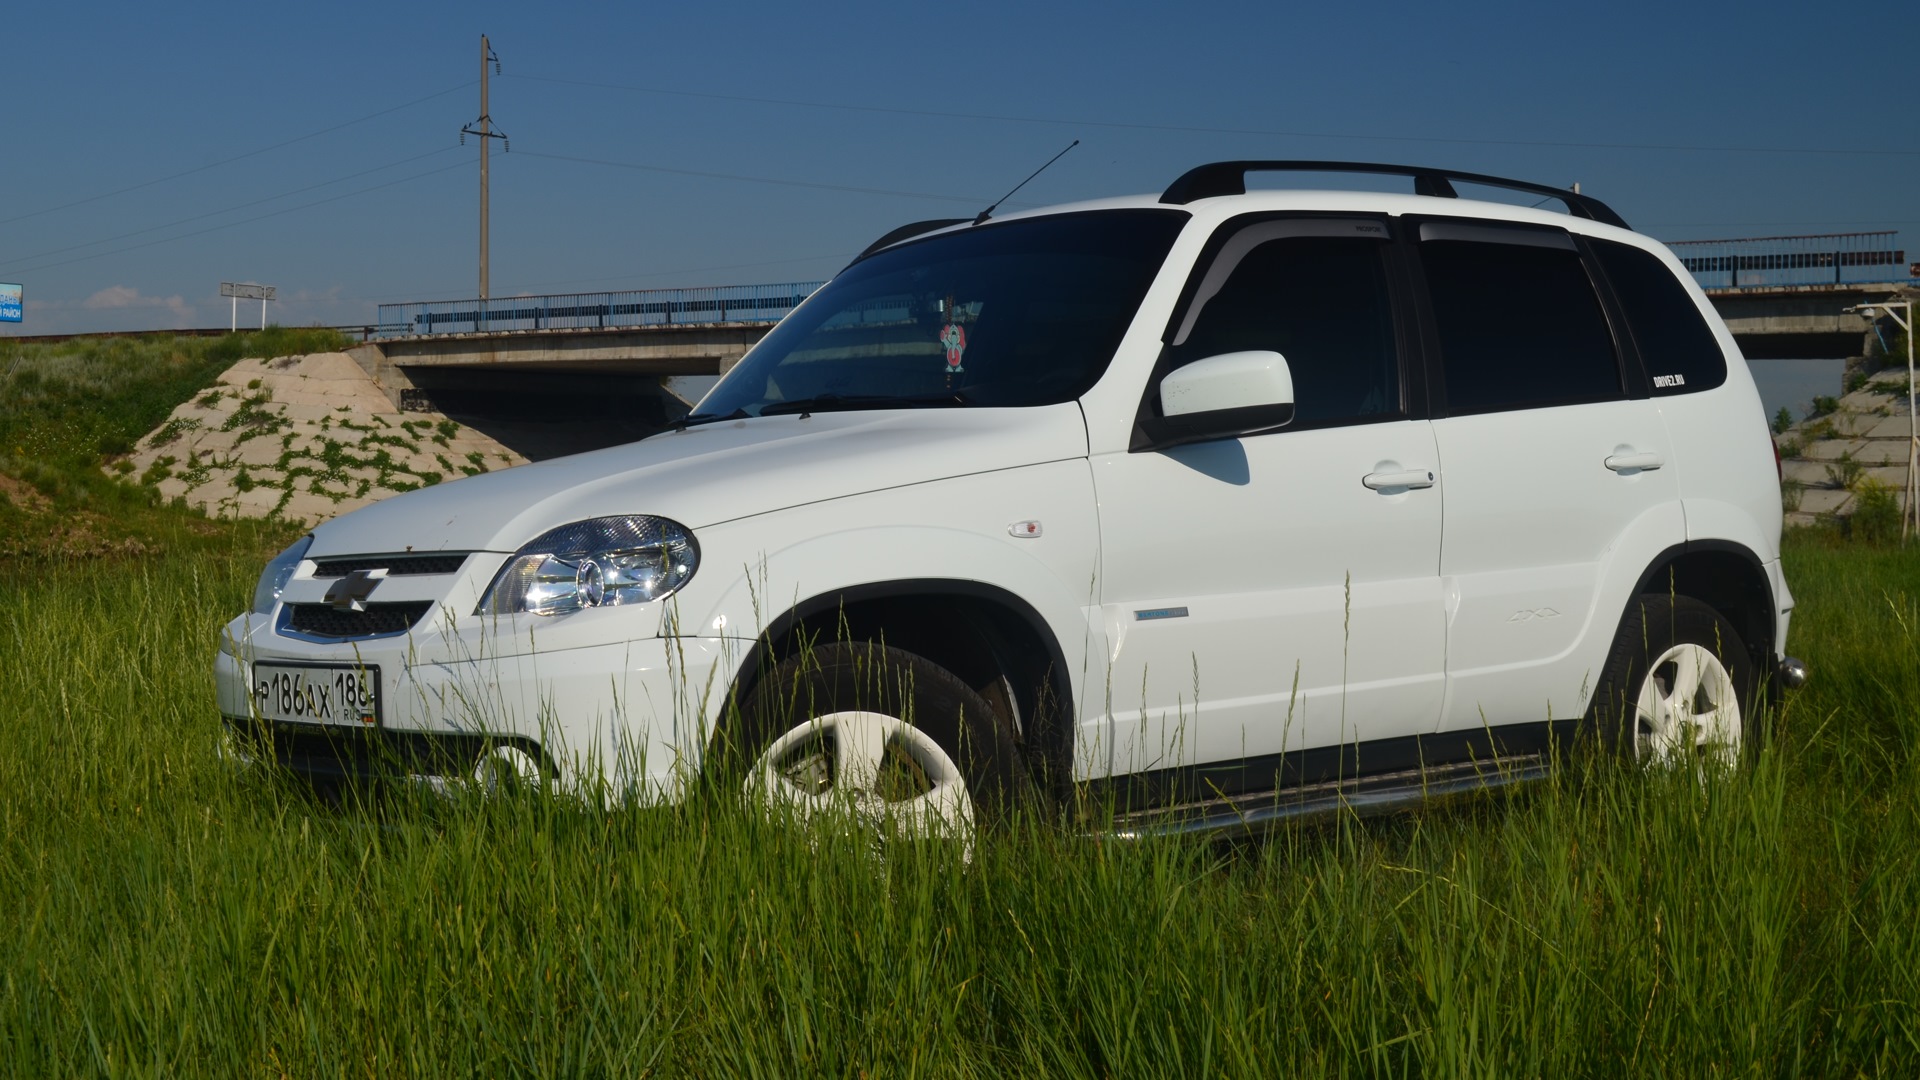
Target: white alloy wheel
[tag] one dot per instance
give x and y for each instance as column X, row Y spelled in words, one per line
column 507, row 768
column 1687, row 710
column 883, row 771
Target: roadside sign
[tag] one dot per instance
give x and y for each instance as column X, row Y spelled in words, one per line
column 240, row 290
column 11, row 307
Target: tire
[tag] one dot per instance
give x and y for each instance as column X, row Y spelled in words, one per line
column 885, row 730
column 1679, row 687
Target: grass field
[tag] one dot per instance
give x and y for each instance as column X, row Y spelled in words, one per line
column 163, row 915
column 166, row 917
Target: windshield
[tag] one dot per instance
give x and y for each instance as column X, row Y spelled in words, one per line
column 1023, row 313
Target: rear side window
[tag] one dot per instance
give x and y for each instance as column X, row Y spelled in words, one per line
column 1676, row 345
column 1519, row 323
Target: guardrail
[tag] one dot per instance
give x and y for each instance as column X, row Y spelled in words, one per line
column 594, row 311
column 1773, row 261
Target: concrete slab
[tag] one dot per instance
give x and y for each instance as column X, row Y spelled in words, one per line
column 1808, row 473
column 258, row 502
column 1883, row 452
column 259, row 451
column 1832, row 449
column 1825, row 501
column 1897, row 426
column 308, row 508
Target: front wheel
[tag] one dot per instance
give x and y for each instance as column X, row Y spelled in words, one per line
column 1678, row 689
column 878, row 733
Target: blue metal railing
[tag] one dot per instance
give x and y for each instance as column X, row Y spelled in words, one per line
column 595, row 311
column 1774, row 261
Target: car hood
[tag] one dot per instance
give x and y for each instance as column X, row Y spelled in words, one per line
column 710, row 473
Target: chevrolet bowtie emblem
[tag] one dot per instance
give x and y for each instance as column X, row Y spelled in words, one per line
column 350, row 593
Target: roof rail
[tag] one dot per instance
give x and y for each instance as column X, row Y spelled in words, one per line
column 1230, row 178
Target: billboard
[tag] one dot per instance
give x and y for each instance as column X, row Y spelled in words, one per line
column 10, row 306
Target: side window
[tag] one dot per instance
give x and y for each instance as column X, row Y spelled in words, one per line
column 1680, row 352
column 1519, row 323
column 1320, row 301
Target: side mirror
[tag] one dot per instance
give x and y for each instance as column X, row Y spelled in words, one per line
column 1235, row 380
column 1220, row 397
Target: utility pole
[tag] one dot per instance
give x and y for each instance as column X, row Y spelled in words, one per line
column 485, row 131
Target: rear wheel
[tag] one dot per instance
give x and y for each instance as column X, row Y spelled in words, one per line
column 881, row 734
column 1679, row 688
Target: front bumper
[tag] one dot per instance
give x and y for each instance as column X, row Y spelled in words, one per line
column 620, row 721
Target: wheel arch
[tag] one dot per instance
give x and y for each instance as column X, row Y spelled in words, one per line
column 972, row 628
column 1726, row 576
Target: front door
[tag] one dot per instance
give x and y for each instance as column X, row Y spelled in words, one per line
column 1277, row 593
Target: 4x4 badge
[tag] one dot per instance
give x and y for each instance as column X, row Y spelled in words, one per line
column 350, row 593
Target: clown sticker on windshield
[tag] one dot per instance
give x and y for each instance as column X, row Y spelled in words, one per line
column 953, row 337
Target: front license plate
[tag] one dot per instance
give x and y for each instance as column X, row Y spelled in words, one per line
column 317, row 693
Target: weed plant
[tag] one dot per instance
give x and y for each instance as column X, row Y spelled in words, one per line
column 166, row 914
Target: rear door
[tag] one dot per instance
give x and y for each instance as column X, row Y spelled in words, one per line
column 1559, row 471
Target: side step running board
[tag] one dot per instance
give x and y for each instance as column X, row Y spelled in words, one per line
column 1366, row 796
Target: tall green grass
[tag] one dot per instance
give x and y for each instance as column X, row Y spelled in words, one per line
column 69, row 402
column 163, row 915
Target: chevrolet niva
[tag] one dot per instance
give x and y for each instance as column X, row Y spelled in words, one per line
column 1229, row 504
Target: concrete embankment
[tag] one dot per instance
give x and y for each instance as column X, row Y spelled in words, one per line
column 305, row 438
column 1829, row 460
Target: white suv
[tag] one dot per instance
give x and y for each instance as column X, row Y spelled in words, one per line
column 1221, row 505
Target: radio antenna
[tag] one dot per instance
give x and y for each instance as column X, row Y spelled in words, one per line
column 988, row 212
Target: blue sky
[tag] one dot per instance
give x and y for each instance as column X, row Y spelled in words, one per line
column 153, row 151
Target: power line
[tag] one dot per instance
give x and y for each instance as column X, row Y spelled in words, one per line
column 237, row 157
column 238, row 206
column 233, row 224
column 1187, row 129
column 1769, row 224
column 970, row 200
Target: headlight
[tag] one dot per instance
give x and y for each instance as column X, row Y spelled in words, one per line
column 602, row 562
column 276, row 575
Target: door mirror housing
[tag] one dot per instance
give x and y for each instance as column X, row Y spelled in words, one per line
column 1220, row 397
column 1229, row 381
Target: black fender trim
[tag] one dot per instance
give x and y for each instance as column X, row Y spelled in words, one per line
column 1060, row 680
column 1766, row 651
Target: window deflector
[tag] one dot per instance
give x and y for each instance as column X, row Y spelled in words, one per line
column 1541, row 236
column 1252, row 236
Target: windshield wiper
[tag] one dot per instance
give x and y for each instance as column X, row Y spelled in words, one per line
column 691, row 419
column 850, row 402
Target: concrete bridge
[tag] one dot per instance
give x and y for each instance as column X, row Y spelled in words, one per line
column 653, row 351
column 1804, row 322
column 422, row 351
column 1785, row 297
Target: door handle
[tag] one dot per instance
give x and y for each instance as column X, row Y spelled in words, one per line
column 1634, row 462
column 1402, row 479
